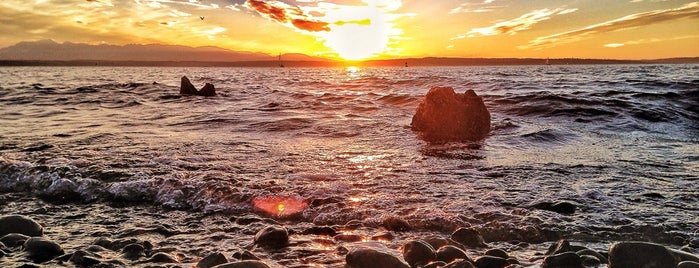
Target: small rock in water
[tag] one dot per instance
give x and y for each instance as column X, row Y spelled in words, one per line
column 161, row 257
column 14, row 239
column 21, row 225
column 497, row 253
column 395, row 224
column 469, row 237
column 366, row 257
column 459, row 264
column 640, row 254
column 593, row 253
column 243, row 264
column 688, row 264
column 490, row 262
column 684, row 256
column 83, row 258
column 41, row 249
column 212, row 260
column 418, row 253
column 208, row 90
column 590, row 261
column 565, row 259
column 561, row 246
column 450, row 253
column 186, row 88
column 435, row 264
column 444, row 115
column 272, row 236
column 245, row 255
column 133, row 251
column 562, row 207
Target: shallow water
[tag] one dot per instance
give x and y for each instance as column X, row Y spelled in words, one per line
column 619, row 141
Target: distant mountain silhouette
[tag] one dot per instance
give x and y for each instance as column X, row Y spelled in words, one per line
column 49, row 50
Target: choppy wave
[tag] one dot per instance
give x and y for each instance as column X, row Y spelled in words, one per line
column 616, row 141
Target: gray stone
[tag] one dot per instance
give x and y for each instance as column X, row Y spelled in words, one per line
column 243, row 264
column 21, row 225
column 418, row 253
column 272, row 237
column 596, row 254
column 82, row 258
column 365, row 257
column 41, row 249
column 212, row 260
column 566, row 259
column 444, row 115
column 490, row 262
column 450, row 253
column 640, row 254
column 469, row 237
column 14, row 239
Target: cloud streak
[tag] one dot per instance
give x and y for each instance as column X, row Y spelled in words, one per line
column 521, row 23
column 481, row 7
column 687, row 11
column 286, row 14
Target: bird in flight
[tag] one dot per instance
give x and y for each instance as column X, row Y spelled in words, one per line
column 202, row 18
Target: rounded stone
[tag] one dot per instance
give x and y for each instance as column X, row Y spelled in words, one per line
column 370, row 258
column 14, row 239
column 41, row 249
column 469, row 237
column 133, row 251
column 490, row 262
column 212, row 260
column 497, row 253
column 243, row 264
column 688, row 264
column 640, row 254
column 162, row 257
column 272, row 236
column 418, row 253
column 450, row 253
column 596, row 254
column 82, row 258
column 21, row 225
column 459, row 263
column 590, row 260
column 565, row 259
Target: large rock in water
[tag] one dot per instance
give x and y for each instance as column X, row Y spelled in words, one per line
column 448, row 116
column 372, row 255
column 21, row 225
column 186, row 88
column 640, row 254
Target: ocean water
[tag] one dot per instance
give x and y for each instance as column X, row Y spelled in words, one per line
column 331, row 146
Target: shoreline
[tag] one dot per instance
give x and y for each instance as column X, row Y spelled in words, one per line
column 188, row 237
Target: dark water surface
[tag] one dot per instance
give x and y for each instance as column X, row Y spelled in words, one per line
column 621, row 142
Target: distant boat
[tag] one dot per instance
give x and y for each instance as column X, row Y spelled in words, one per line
column 547, row 61
column 406, row 64
column 281, row 64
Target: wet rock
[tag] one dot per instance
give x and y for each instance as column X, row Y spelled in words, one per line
column 563, row 260
column 490, row 262
column 82, row 258
column 434, row 264
column 186, row 88
column 40, row 249
column 386, row 236
column 418, row 253
column 395, row 224
column 469, row 237
column 245, row 255
column 590, row 261
column 640, row 254
column 133, row 251
column 561, row 246
column 688, row 264
column 103, row 242
column 450, row 253
column 684, row 256
column 95, row 248
column 212, row 260
column 562, row 207
column 445, row 115
column 370, row 257
column 459, row 264
column 13, row 239
column 272, row 237
column 245, row 220
column 348, row 238
column 320, row 230
column 21, row 225
column 28, row 265
column 162, row 257
column 497, row 253
column 593, row 253
column 243, row 264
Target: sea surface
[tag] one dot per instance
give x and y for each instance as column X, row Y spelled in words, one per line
column 332, row 146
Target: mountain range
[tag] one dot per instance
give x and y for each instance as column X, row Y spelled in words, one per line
column 49, row 50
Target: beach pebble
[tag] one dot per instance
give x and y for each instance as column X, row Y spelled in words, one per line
column 272, row 236
column 133, row 251
column 243, row 264
column 490, row 262
column 450, row 253
column 434, row 264
column 590, row 261
column 688, row 264
column 640, row 254
column 385, row 236
column 13, row 239
column 559, row 247
column 82, row 258
column 497, row 253
column 565, row 259
column 28, row 265
column 320, row 230
column 459, row 264
column 245, row 255
column 683, row 255
column 21, row 225
column 348, row 238
column 596, row 254
column 418, row 253
column 469, row 237
column 365, row 257
column 561, row 207
column 40, row 249
column 212, row 260
column 162, row 257
column 395, row 224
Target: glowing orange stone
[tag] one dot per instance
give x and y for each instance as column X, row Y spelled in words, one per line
column 280, row 206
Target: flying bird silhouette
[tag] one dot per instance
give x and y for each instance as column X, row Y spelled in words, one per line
column 202, row 18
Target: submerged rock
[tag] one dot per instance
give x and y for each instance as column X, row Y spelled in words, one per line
column 565, row 259
column 243, row 264
column 21, row 225
column 41, row 249
column 272, row 236
column 490, row 262
column 450, row 253
column 448, row 116
column 469, row 237
column 640, row 254
column 370, row 257
column 418, row 253
column 13, row 239
column 688, row 264
column 212, row 260
column 186, row 88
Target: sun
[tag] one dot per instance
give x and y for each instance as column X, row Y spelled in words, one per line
column 358, row 32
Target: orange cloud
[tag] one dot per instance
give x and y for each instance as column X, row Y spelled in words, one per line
column 518, row 24
column 284, row 14
column 690, row 11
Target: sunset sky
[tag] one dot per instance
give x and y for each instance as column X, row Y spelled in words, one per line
column 361, row 29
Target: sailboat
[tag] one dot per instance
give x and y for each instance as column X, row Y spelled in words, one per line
column 547, row 61
column 281, row 64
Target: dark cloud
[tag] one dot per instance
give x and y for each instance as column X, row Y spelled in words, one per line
column 284, row 13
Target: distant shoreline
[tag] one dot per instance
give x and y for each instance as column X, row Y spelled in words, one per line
column 371, row 63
